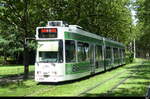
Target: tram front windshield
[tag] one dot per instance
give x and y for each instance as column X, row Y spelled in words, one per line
column 51, row 54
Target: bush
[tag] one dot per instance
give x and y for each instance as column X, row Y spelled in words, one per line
column 1, row 60
column 129, row 57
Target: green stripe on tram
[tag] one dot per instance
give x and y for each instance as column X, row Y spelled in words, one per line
column 73, row 68
column 109, row 43
column 75, row 36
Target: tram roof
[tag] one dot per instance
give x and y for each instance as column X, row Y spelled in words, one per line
column 79, row 30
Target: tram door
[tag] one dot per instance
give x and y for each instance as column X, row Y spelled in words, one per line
column 92, row 58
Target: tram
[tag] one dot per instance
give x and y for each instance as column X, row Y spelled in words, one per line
column 67, row 52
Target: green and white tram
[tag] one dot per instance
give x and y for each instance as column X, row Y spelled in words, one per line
column 67, row 52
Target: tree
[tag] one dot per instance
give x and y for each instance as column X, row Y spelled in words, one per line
column 15, row 15
column 143, row 42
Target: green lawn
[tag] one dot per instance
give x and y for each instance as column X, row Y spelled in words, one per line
column 13, row 70
column 136, row 85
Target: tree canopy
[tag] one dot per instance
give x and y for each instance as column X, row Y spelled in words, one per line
column 143, row 14
column 107, row 18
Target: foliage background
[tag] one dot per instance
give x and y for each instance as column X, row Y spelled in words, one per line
column 108, row 18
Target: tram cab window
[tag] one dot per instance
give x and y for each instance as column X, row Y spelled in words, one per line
column 48, row 56
column 70, row 51
column 51, row 51
column 82, row 49
column 108, row 52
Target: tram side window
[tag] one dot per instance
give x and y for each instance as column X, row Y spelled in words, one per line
column 115, row 52
column 82, row 49
column 70, row 51
column 120, row 55
column 123, row 53
column 98, row 53
column 108, row 52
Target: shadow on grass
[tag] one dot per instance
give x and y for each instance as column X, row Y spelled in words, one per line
column 133, row 91
column 120, row 92
column 138, row 84
column 141, row 79
column 117, row 94
column 15, row 80
column 14, row 85
column 137, row 87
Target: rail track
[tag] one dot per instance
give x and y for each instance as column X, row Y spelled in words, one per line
column 50, row 88
column 106, row 80
column 101, row 83
column 43, row 90
column 116, row 86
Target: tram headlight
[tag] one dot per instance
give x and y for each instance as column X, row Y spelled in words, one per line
column 38, row 72
column 53, row 64
column 54, row 72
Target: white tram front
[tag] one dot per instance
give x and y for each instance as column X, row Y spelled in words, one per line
column 49, row 65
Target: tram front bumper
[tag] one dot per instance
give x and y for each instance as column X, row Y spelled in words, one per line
column 42, row 78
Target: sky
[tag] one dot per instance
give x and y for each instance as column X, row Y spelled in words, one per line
column 133, row 12
column 133, row 16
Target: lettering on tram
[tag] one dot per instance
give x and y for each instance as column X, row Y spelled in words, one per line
column 48, row 33
column 67, row 52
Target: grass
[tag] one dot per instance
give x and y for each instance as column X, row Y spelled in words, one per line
column 108, row 85
column 13, row 70
column 136, row 85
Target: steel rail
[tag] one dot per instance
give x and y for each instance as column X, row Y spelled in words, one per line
column 91, row 88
